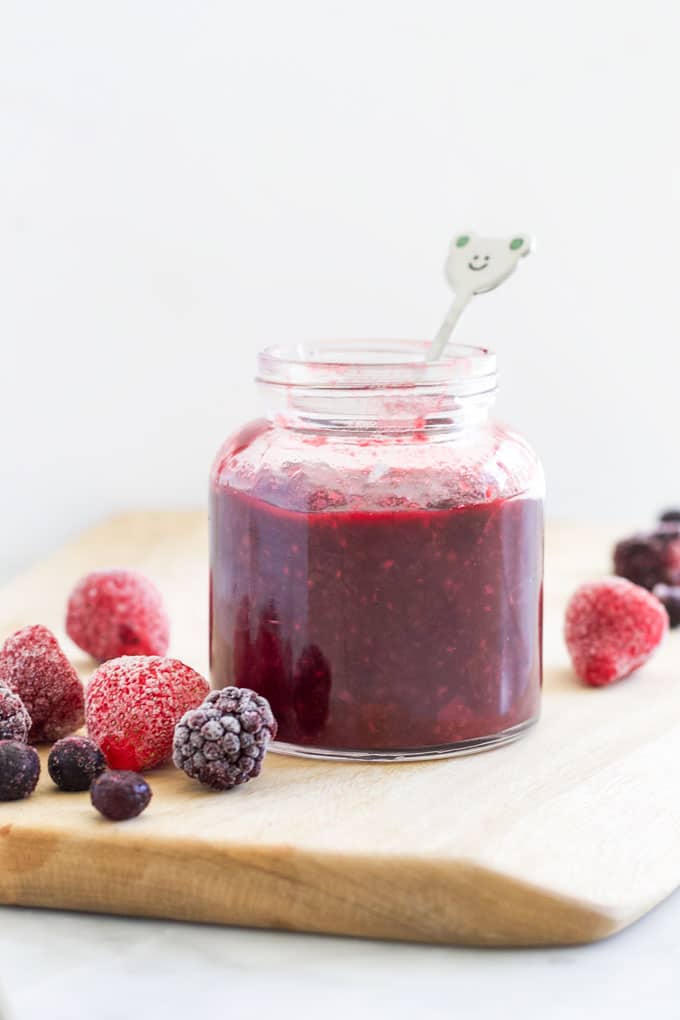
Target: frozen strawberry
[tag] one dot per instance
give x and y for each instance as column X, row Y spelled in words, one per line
column 33, row 666
column 612, row 627
column 117, row 612
column 133, row 705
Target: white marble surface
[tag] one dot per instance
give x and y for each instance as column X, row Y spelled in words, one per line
column 77, row 967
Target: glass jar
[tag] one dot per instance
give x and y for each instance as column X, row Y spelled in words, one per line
column 377, row 554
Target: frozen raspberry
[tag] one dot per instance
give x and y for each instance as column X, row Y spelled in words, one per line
column 117, row 612
column 133, row 704
column 33, row 665
column 650, row 558
column 120, row 795
column 669, row 596
column 670, row 516
column 19, row 770
column 612, row 627
column 222, row 743
column 15, row 722
column 74, row 763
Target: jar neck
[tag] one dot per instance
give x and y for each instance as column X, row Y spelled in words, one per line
column 375, row 387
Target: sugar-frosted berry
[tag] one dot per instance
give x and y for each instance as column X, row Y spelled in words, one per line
column 650, row 558
column 612, row 627
column 15, row 722
column 134, row 704
column 74, row 763
column 33, row 665
column 120, row 795
column 669, row 596
column 222, row 743
column 117, row 612
column 19, row 770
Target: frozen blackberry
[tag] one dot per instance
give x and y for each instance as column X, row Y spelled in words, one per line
column 222, row 743
column 669, row 596
column 74, row 763
column 120, row 795
column 19, row 770
column 670, row 516
column 650, row 558
column 15, row 722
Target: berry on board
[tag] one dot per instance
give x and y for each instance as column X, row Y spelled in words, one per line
column 15, row 722
column 19, row 770
column 612, row 627
column 117, row 612
column 670, row 516
column 222, row 743
column 120, row 795
column 669, row 596
column 650, row 558
column 133, row 704
column 74, row 763
column 33, row 665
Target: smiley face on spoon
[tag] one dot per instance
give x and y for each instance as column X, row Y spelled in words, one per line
column 493, row 258
column 474, row 265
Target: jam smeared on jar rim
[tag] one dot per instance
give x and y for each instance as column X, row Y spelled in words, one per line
column 379, row 630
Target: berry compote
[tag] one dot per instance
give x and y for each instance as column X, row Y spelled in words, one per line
column 377, row 566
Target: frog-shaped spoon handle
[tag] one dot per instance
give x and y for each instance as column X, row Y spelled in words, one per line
column 475, row 265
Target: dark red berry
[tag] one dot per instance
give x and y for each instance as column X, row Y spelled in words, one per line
column 120, row 795
column 19, row 770
column 669, row 596
column 670, row 516
column 74, row 763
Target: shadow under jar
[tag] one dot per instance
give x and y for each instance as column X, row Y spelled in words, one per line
column 377, row 554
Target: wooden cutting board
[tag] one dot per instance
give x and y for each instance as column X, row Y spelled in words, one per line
column 566, row 836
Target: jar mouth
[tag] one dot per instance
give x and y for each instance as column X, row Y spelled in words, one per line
column 378, row 364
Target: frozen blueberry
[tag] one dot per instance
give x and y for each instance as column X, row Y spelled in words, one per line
column 74, row 763
column 19, row 770
column 670, row 516
column 120, row 795
column 669, row 596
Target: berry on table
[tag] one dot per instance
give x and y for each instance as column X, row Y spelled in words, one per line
column 74, row 763
column 222, row 743
column 650, row 558
column 612, row 627
column 117, row 612
column 120, row 795
column 15, row 722
column 33, row 666
column 669, row 596
column 19, row 770
column 670, row 516
column 133, row 704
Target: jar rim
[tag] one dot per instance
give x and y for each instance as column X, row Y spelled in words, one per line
column 365, row 363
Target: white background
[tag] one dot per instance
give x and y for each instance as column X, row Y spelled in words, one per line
column 183, row 182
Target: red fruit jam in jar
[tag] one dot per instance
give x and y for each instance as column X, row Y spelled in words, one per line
column 377, row 554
